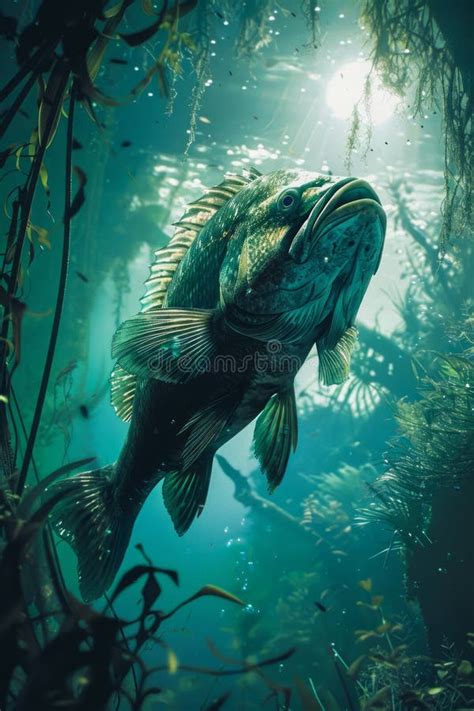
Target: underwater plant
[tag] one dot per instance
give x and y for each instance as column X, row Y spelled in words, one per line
column 428, row 484
column 388, row 674
column 425, row 44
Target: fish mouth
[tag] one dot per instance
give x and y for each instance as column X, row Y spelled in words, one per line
column 343, row 201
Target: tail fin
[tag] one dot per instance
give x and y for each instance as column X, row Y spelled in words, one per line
column 87, row 518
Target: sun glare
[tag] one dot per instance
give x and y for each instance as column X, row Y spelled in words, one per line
column 346, row 89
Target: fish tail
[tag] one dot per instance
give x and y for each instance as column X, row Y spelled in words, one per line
column 88, row 518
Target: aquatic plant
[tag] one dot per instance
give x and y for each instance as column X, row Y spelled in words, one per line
column 428, row 486
column 425, row 45
column 388, row 674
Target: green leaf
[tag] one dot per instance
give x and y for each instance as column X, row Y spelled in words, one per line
column 435, row 690
column 465, row 667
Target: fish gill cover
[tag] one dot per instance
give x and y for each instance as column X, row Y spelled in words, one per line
column 348, row 583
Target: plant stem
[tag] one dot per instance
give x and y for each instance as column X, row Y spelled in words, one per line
column 37, row 59
column 59, row 302
column 27, row 193
column 6, row 312
column 12, row 111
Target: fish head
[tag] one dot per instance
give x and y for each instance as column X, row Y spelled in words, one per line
column 265, row 217
column 304, row 238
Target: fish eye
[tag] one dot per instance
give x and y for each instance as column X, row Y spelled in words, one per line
column 288, row 200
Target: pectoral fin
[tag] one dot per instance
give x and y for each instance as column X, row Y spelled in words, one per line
column 334, row 363
column 276, row 434
column 173, row 345
column 185, row 493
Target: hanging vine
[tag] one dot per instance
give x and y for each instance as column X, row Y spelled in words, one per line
column 425, row 44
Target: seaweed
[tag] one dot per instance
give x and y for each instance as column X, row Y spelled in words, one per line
column 428, row 482
column 389, row 675
column 425, row 44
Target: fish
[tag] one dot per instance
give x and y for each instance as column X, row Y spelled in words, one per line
column 259, row 270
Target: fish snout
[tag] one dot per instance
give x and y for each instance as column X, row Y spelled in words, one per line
column 348, row 199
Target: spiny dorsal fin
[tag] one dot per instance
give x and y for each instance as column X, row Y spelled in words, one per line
column 188, row 227
column 275, row 435
column 122, row 392
column 334, row 363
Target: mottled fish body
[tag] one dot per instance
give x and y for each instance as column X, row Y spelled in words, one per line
column 259, row 270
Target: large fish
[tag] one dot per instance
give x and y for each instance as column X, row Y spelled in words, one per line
column 259, row 270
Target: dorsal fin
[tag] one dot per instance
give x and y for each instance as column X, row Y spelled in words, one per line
column 197, row 214
column 166, row 262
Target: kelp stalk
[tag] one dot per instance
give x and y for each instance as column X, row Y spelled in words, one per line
column 59, row 301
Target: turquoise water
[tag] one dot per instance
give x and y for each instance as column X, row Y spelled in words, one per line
column 311, row 573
